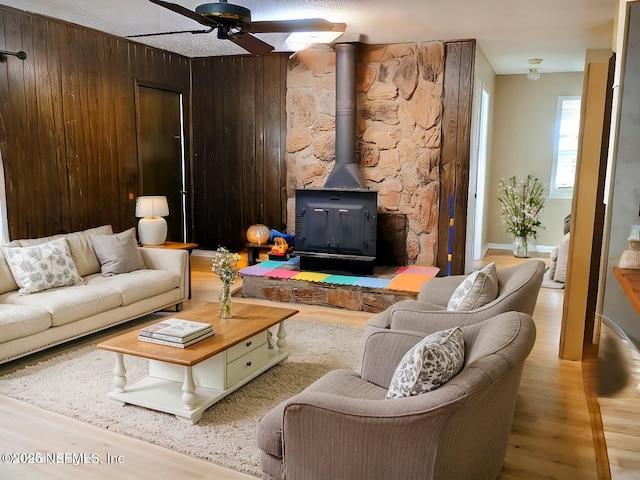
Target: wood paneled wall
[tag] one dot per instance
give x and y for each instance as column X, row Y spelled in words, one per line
column 69, row 146
column 455, row 153
column 68, row 122
column 239, row 129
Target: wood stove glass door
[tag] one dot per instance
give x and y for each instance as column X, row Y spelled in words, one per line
column 318, row 232
column 349, row 223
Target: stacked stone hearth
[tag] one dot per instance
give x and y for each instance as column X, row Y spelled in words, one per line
column 399, row 109
column 349, row 297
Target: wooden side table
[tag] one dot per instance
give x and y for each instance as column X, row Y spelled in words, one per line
column 178, row 246
column 253, row 251
column 629, row 280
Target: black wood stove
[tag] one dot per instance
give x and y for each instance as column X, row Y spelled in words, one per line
column 336, row 227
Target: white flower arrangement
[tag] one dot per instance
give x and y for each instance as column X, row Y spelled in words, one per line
column 225, row 265
column 522, row 202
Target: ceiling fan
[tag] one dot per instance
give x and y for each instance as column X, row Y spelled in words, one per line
column 233, row 22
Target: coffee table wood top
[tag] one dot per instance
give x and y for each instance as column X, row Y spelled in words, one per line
column 247, row 321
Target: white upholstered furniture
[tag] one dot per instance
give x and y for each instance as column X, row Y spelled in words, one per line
column 35, row 321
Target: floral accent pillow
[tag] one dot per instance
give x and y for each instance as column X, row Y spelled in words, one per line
column 477, row 290
column 43, row 266
column 431, row 363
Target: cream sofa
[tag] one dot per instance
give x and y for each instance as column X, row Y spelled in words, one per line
column 35, row 321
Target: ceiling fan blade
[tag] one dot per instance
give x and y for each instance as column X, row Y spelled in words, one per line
column 251, row 44
column 174, row 7
column 301, row 25
column 209, row 30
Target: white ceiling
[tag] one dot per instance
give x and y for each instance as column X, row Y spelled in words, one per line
column 509, row 32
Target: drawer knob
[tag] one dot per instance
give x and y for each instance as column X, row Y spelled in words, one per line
column 248, row 364
column 249, row 344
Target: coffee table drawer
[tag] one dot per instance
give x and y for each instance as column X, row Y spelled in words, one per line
column 247, row 364
column 246, row 346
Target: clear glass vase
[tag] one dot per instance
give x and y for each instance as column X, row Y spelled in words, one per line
column 520, row 247
column 224, row 302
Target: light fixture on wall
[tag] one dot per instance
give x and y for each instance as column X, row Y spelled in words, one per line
column 534, row 71
column 152, row 228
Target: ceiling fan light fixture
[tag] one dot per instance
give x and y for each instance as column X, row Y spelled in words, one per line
column 233, row 23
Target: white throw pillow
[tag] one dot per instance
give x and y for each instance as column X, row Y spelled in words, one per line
column 478, row 289
column 118, row 253
column 43, row 266
column 560, row 275
column 432, row 362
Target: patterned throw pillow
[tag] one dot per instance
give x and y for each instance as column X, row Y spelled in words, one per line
column 432, row 362
column 43, row 266
column 478, row 289
column 118, row 253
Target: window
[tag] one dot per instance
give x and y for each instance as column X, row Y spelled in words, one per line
column 565, row 147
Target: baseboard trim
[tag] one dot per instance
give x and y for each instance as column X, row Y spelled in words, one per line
column 508, row 246
column 203, row 253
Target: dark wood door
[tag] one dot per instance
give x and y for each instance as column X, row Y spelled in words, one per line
column 160, row 153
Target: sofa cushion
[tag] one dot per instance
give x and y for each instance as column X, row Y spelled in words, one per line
column 17, row 321
column 478, row 289
column 138, row 285
column 560, row 273
column 43, row 266
column 432, row 362
column 7, row 282
column 68, row 304
column 30, row 242
column 82, row 250
column 118, row 253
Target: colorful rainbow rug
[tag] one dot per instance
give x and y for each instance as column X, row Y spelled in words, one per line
column 407, row 279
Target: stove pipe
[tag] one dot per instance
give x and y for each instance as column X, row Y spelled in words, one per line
column 345, row 173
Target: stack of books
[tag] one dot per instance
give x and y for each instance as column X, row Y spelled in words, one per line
column 175, row 332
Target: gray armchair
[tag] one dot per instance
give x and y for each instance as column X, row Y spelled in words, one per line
column 342, row 427
column 518, row 291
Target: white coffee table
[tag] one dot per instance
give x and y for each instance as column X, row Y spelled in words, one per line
column 185, row 382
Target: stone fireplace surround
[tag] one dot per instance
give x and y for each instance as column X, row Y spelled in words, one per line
column 399, row 109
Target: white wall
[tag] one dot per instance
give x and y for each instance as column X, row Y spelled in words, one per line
column 524, row 127
column 485, row 77
column 625, row 191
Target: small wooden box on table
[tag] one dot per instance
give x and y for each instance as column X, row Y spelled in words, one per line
column 186, row 381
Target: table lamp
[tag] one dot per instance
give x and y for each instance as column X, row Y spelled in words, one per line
column 152, row 228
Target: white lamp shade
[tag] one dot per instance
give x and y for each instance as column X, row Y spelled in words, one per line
column 152, row 206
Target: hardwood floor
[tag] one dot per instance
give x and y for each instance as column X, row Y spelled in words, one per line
column 551, row 437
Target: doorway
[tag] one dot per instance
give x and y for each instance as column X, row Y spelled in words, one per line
column 477, row 175
column 161, row 157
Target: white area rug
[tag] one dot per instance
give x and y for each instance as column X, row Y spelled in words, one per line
column 74, row 384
